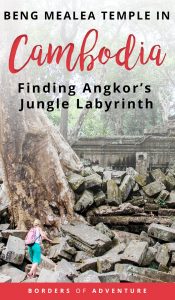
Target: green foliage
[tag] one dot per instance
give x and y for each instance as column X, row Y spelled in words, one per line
column 154, row 265
column 161, row 202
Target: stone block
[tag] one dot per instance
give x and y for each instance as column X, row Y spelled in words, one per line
column 158, row 175
column 88, row 264
column 109, row 277
column 149, row 257
column 14, row 232
column 99, row 198
column 161, row 232
column 162, row 256
column 135, row 252
column 105, row 230
column 170, row 181
column 50, row 276
column 85, row 201
column 113, row 193
column 5, row 278
column 118, row 176
column 93, row 181
column 61, row 250
column 153, row 274
column 75, row 181
column 14, row 251
column 4, row 226
column 15, row 274
column 66, row 268
column 126, row 187
column 153, row 188
column 81, row 256
column 171, row 200
column 88, row 276
column 87, row 238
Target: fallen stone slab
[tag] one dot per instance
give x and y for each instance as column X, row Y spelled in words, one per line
column 105, row 230
column 88, row 276
column 109, row 277
column 15, row 274
column 166, row 212
column 15, row 251
column 107, row 175
column 114, row 254
column 5, row 278
column 88, row 264
column 118, row 176
column 171, row 247
column 140, row 179
column 123, row 269
column 66, row 268
column 126, row 187
column 85, row 201
column 122, row 209
column 149, row 257
column 171, row 200
column 151, row 207
column 14, row 232
column 87, row 238
column 153, row 188
column 4, row 226
column 87, row 171
column 128, row 220
column 61, row 250
column 137, row 201
column 135, row 252
column 113, row 193
column 50, row 276
column 104, row 265
column 75, row 181
column 47, row 263
column 161, row 232
column 93, row 181
column 99, row 198
column 128, row 277
column 158, row 175
column 97, row 169
column 163, row 256
column 81, row 256
column 170, row 181
column 146, row 238
column 125, row 237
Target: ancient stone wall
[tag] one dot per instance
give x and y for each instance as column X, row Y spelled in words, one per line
column 149, row 151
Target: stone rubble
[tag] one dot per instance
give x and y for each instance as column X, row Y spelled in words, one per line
column 124, row 231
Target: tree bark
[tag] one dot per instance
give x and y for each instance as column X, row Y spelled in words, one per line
column 35, row 158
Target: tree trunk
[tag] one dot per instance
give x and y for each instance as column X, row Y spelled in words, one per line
column 64, row 115
column 35, row 158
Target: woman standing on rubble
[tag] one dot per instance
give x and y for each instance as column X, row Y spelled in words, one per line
column 34, row 242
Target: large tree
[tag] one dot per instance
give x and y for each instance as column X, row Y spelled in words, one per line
column 35, row 158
